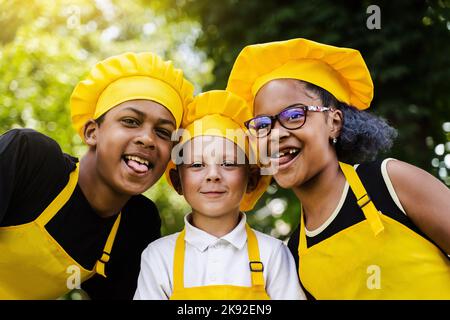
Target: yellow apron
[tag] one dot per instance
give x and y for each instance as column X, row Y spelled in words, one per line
column 220, row 292
column 378, row 258
column 33, row 265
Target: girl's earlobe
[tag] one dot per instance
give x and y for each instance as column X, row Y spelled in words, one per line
column 337, row 121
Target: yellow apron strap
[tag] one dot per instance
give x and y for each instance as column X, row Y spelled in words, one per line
column 302, row 237
column 256, row 266
column 60, row 199
column 178, row 262
column 363, row 199
column 100, row 265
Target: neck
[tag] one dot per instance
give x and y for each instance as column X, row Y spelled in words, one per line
column 320, row 195
column 105, row 201
column 216, row 226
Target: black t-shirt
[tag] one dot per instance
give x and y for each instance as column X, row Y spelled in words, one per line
column 33, row 171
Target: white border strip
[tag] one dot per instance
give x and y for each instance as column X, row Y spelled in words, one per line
column 389, row 185
column 315, row 232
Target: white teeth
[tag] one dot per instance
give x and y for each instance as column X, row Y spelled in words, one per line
column 283, row 153
column 137, row 159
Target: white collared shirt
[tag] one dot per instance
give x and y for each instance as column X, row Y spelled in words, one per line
column 217, row 261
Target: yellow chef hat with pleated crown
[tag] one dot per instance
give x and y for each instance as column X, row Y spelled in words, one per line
column 221, row 113
column 125, row 77
column 340, row 71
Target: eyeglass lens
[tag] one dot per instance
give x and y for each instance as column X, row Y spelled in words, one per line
column 290, row 118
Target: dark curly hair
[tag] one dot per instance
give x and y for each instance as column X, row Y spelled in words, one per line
column 363, row 135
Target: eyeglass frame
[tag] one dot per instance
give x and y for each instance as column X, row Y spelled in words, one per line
column 276, row 117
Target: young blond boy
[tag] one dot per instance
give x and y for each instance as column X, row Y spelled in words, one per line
column 217, row 255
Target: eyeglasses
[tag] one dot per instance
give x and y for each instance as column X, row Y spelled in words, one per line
column 293, row 117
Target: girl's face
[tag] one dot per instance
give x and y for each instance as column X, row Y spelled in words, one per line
column 132, row 145
column 213, row 180
column 302, row 153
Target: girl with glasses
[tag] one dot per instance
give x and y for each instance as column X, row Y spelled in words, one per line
column 369, row 229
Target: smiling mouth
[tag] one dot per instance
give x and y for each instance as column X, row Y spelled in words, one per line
column 213, row 194
column 285, row 156
column 138, row 164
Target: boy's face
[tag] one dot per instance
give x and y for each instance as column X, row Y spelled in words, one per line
column 133, row 145
column 311, row 141
column 213, row 181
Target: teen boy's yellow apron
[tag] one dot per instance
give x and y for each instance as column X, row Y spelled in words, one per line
column 33, row 265
column 220, row 292
column 378, row 258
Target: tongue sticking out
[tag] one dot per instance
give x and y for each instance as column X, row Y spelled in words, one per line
column 136, row 166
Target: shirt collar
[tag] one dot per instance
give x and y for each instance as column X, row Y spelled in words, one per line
column 202, row 240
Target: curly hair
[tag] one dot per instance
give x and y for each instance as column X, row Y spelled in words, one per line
column 363, row 135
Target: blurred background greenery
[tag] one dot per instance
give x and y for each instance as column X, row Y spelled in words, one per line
column 46, row 47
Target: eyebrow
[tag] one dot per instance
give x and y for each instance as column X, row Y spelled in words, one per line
column 140, row 113
column 295, row 105
column 166, row 121
column 143, row 115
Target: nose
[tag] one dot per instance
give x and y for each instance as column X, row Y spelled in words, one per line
column 278, row 132
column 212, row 173
column 146, row 139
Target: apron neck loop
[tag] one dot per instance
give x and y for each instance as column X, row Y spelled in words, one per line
column 364, row 201
column 101, row 263
column 62, row 198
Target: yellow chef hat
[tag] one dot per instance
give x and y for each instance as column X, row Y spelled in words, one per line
column 340, row 71
column 221, row 113
column 125, row 77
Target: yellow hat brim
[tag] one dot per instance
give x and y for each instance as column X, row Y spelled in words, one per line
column 139, row 87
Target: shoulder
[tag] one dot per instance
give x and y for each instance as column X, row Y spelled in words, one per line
column 416, row 187
column 141, row 202
column 268, row 244
column 276, row 256
column 408, row 179
column 425, row 200
column 377, row 178
column 392, row 168
column 161, row 248
column 30, row 146
column 370, row 167
column 141, row 208
column 399, row 170
column 29, row 137
column 140, row 220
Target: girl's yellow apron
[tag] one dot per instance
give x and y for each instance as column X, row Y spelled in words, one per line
column 220, row 292
column 378, row 258
column 33, row 265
